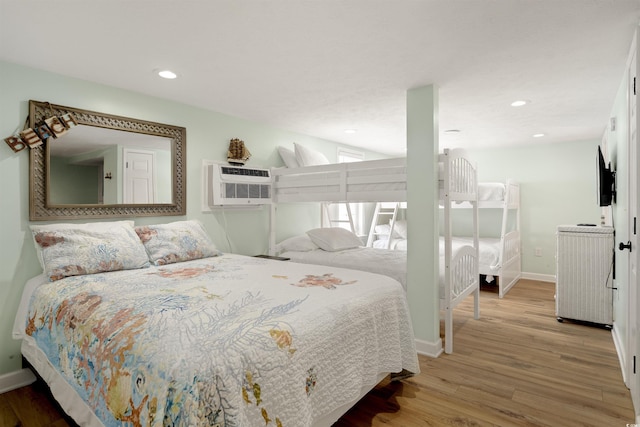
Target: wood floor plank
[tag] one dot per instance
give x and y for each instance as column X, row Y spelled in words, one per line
column 33, row 406
column 8, row 418
column 516, row 366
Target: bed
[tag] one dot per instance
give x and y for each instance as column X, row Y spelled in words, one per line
column 177, row 333
column 499, row 257
column 385, row 181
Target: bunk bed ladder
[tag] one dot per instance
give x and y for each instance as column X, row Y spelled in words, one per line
column 383, row 210
column 328, row 219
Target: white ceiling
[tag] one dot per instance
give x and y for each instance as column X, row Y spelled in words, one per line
column 320, row 67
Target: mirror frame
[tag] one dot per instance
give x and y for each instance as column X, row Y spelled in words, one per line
column 41, row 210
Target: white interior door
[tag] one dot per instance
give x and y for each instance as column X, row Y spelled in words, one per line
column 139, row 176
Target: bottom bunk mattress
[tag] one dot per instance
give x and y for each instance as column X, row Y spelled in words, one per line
column 389, row 262
column 489, row 250
column 381, row 261
column 226, row 341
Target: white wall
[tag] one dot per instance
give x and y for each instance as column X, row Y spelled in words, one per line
column 208, row 135
column 557, row 186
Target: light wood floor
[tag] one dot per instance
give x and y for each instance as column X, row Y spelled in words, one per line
column 516, row 366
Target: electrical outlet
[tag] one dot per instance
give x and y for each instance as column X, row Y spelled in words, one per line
column 538, row 252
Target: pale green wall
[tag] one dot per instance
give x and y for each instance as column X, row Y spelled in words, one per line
column 557, row 187
column 82, row 178
column 208, row 135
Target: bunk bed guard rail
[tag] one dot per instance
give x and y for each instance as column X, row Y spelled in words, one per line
column 374, row 180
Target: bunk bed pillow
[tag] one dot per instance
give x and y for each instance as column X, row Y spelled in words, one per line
column 300, row 243
column 334, row 239
column 382, row 229
column 308, row 157
column 288, row 157
column 400, row 229
column 77, row 249
column 176, row 242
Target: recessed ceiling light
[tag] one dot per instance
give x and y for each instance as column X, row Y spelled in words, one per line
column 452, row 131
column 538, row 135
column 519, row 103
column 167, row 74
column 350, row 131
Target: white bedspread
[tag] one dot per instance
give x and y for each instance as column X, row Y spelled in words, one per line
column 225, row 341
column 387, row 262
column 396, row 244
column 392, row 263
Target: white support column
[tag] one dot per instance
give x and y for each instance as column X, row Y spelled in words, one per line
column 422, row 217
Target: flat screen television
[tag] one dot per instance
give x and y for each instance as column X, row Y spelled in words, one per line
column 606, row 182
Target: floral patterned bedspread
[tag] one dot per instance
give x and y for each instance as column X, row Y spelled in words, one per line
column 222, row 341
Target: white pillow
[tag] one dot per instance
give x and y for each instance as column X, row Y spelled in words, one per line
column 308, row 157
column 334, row 239
column 288, row 157
column 400, row 229
column 382, row 231
column 296, row 244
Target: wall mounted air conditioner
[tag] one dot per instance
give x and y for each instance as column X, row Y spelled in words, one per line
column 230, row 185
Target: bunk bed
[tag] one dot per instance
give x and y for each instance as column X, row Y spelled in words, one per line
column 386, row 181
column 499, row 257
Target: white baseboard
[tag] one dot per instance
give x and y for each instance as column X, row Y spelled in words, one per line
column 431, row 349
column 539, row 277
column 16, row 379
column 617, row 342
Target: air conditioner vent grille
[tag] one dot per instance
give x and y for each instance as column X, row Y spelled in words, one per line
column 226, row 170
column 234, row 190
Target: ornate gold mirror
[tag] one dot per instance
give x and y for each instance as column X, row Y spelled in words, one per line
column 107, row 166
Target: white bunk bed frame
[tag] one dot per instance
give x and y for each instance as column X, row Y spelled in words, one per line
column 386, row 181
column 510, row 254
column 459, row 184
column 388, row 210
column 509, row 258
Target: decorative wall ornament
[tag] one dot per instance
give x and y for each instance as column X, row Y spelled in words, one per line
column 31, row 137
column 16, row 143
column 51, row 126
column 237, row 154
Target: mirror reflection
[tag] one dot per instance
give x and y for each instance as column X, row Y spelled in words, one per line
column 93, row 165
column 83, row 173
